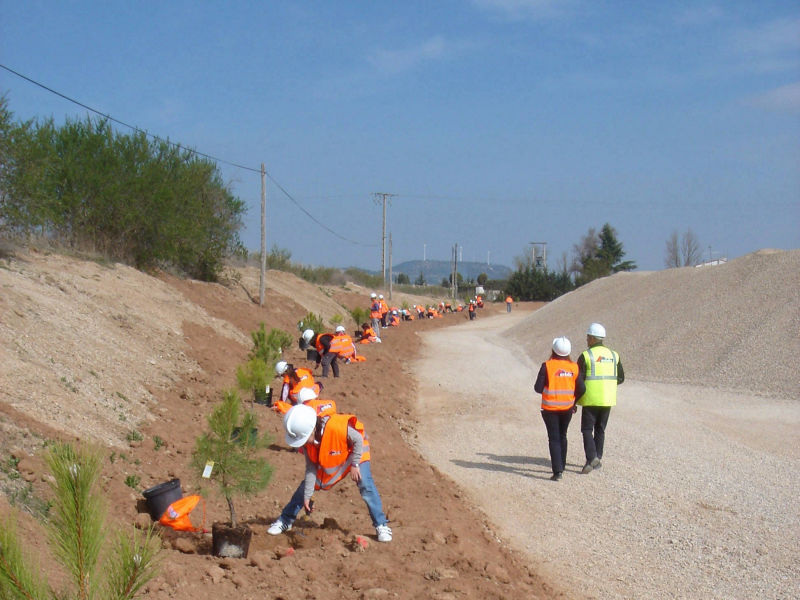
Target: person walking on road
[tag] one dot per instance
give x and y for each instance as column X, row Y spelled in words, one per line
column 559, row 382
column 334, row 445
column 602, row 372
column 509, row 302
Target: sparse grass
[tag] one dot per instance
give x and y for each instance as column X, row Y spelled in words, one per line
column 69, row 385
column 158, row 442
column 133, row 481
column 134, row 436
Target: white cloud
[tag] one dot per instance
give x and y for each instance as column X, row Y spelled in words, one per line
column 695, row 16
column 395, row 61
column 782, row 99
column 772, row 46
column 523, row 9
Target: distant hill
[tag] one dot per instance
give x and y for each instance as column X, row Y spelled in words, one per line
column 435, row 270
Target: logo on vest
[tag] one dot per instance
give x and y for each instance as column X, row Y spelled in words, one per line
column 563, row 373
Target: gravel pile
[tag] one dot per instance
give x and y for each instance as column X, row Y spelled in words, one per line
column 697, row 497
column 733, row 326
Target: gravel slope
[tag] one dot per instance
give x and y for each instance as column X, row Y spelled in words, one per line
column 697, row 497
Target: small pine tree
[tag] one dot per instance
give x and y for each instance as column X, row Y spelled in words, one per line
column 77, row 532
column 232, row 443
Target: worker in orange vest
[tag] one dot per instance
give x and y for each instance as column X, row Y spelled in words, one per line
column 471, row 310
column 310, row 398
column 321, row 343
column 509, row 302
column 294, row 380
column 384, row 310
column 375, row 313
column 368, row 335
column 559, row 382
column 334, row 445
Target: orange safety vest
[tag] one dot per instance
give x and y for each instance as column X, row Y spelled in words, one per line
column 318, row 341
column 323, row 407
column 559, row 393
column 342, row 344
column 384, row 307
column 375, row 310
column 333, row 450
column 509, row 300
column 471, row 307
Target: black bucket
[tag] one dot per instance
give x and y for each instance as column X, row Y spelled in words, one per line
column 159, row 497
column 312, row 355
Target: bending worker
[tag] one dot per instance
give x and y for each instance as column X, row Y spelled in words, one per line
column 325, row 353
column 334, row 446
column 559, row 382
column 602, row 371
column 294, row 381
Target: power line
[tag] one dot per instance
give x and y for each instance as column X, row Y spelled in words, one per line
column 191, row 150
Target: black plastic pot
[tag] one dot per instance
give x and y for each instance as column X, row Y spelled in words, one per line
column 263, row 396
column 159, row 497
column 230, row 542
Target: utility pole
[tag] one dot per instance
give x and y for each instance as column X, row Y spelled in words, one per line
column 390, row 265
column 262, row 279
column 384, row 197
column 542, row 246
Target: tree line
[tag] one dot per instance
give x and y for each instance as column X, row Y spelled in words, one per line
column 148, row 203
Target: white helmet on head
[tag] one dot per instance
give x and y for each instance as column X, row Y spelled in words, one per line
column 596, row 330
column 380, row 296
column 306, row 394
column 308, row 334
column 299, row 423
column 373, row 295
column 562, row 346
column 281, row 366
column 340, row 329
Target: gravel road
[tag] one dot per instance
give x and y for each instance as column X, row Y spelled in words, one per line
column 697, row 496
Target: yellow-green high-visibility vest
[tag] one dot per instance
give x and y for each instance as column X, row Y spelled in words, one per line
column 601, row 377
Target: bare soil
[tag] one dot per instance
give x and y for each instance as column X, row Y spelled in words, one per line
column 94, row 352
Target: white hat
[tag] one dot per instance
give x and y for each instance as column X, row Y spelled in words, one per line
column 308, row 334
column 306, row 394
column 340, row 329
column 299, row 423
column 562, row 346
column 380, row 296
column 373, row 295
column 596, row 330
column 281, row 366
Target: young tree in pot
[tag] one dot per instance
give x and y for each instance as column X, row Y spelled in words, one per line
column 232, row 443
column 253, row 376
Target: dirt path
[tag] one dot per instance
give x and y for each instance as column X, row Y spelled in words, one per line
column 697, row 497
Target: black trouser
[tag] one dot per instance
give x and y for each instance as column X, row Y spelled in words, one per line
column 593, row 427
column 557, row 422
column 330, row 359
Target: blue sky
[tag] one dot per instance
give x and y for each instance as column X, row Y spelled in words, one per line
column 495, row 122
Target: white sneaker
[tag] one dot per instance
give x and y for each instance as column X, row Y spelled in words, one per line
column 278, row 527
column 384, row 533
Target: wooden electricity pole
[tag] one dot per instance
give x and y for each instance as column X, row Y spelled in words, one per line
column 262, row 279
column 384, row 197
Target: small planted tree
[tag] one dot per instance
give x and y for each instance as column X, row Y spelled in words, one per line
column 77, row 533
column 231, row 447
column 311, row 321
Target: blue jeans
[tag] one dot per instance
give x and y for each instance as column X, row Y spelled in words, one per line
column 368, row 492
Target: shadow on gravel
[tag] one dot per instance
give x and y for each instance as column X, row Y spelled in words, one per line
column 507, row 464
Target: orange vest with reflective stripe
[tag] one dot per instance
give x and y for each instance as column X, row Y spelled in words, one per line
column 318, row 342
column 559, row 393
column 375, row 310
column 342, row 344
column 384, row 307
column 333, row 451
column 324, row 408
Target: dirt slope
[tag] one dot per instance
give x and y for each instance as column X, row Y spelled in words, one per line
column 94, row 352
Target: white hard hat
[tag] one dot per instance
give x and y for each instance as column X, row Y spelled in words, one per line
column 308, row 334
column 596, row 330
column 306, row 394
column 281, row 366
column 562, row 346
column 299, row 423
column 340, row 329
column 373, row 295
column 380, row 296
